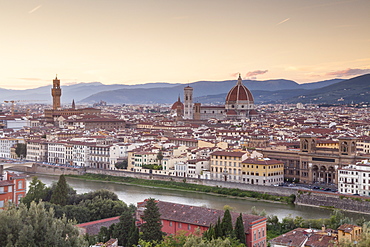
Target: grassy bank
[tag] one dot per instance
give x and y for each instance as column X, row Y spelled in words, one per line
column 188, row 187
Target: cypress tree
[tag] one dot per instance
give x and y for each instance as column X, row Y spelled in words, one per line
column 218, row 229
column 60, row 194
column 123, row 229
column 134, row 235
column 152, row 227
column 239, row 230
column 226, row 224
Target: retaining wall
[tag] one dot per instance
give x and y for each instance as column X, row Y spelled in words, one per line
column 322, row 199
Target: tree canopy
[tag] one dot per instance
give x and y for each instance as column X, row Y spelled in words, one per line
column 36, row 226
column 60, row 194
column 152, row 227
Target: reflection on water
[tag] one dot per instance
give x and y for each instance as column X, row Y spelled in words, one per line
column 131, row 194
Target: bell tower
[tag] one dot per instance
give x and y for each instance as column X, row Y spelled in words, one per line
column 188, row 102
column 56, row 92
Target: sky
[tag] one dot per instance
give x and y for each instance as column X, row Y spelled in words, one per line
column 177, row 41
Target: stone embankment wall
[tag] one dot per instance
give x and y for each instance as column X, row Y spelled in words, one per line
column 56, row 170
column 322, row 199
column 272, row 190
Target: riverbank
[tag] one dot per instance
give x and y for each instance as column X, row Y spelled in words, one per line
column 184, row 186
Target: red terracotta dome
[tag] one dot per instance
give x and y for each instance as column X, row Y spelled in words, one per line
column 239, row 93
column 177, row 103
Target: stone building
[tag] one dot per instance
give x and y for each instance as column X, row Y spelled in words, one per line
column 239, row 104
column 311, row 164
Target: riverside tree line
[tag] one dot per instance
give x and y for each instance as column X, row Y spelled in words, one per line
column 47, row 215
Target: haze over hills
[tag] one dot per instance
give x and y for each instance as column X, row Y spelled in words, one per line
column 206, row 92
column 201, row 89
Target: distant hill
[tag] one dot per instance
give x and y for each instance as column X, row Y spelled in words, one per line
column 206, row 92
column 71, row 92
column 355, row 90
column 319, row 84
column 170, row 94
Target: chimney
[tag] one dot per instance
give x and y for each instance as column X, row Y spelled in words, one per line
column 323, row 228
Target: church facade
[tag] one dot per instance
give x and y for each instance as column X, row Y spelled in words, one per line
column 239, row 104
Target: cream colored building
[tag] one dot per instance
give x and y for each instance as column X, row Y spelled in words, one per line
column 262, row 171
column 227, row 166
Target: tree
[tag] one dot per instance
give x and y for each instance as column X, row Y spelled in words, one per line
column 36, row 226
column 160, row 157
column 134, row 235
column 21, row 150
column 239, row 231
column 37, row 191
column 152, row 227
column 125, row 228
column 226, row 224
column 123, row 164
column 60, row 194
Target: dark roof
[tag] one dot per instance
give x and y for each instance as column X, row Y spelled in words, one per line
column 93, row 227
column 200, row 216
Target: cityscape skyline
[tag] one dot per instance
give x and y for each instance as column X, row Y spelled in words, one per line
column 129, row 42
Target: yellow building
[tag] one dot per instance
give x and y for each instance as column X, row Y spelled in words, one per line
column 349, row 232
column 262, row 171
column 227, row 166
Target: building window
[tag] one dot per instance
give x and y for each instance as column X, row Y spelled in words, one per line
column 189, row 227
column 20, row 184
column 180, row 225
column 170, row 223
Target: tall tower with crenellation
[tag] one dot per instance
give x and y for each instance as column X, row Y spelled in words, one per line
column 188, row 102
column 56, row 92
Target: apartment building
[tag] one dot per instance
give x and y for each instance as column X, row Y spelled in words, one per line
column 6, row 144
column 355, row 179
column 227, row 166
column 12, row 188
column 262, row 171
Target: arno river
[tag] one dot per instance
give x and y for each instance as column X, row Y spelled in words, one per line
column 132, row 194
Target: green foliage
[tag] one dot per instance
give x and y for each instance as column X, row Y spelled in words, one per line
column 160, row 156
column 90, row 206
column 276, row 228
column 239, row 231
column 37, row 191
column 125, row 230
column 152, row 227
column 60, row 194
column 36, row 226
column 226, row 224
column 153, row 167
column 122, row 165
column 21, row 150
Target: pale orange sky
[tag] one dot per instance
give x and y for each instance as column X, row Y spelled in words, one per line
column 130, row 42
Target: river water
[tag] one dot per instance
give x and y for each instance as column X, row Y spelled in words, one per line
column 131, row 194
